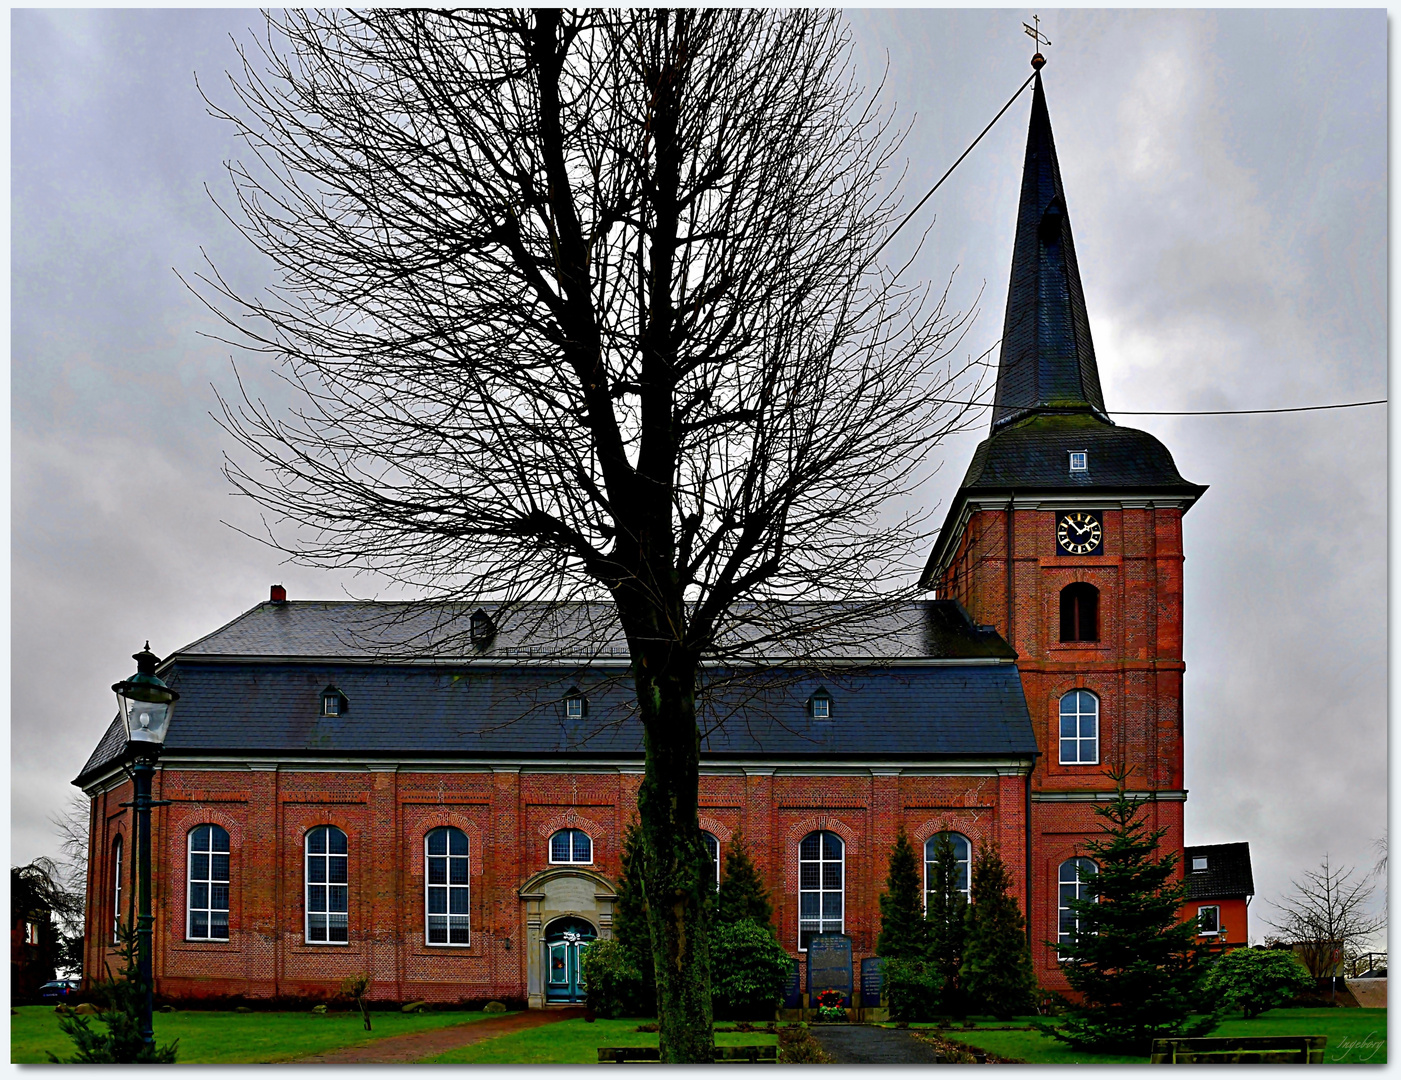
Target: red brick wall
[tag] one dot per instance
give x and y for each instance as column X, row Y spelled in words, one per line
column 1135, row 668
column 508, row 817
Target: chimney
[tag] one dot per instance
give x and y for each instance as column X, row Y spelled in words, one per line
column 279, row 595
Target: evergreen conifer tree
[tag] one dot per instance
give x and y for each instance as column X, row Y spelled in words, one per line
column 945, row 910
column 904, row 935
column 996, row 970
column 742, row 894
column 1135, row 965
column 630, row 926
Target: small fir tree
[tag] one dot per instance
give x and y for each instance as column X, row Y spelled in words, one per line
column 996, row 970
column 1137, row 967
column 122, row 999
column 945, row 910
column 904, row 934
column 742, row 893
column 630, row 927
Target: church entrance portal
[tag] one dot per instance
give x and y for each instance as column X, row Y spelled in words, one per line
column 564, row 940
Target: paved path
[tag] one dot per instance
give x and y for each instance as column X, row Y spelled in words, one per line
column 398, row 1049
column 863, row 1044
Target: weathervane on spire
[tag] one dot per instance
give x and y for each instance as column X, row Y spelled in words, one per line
column 1034, row 32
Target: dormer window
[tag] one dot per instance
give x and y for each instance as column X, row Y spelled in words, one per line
column 483, row 628
column 1198, row 863
column 333, row 702
column 576, row 706
column 1079, row 461
column 820, row 705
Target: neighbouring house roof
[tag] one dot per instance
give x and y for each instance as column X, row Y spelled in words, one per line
column 1227, row 872
column 254, row 689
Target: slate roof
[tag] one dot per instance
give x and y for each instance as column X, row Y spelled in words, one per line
column 1227, row 872
column 254, row 687
column 1048, row 359
column 344, row 630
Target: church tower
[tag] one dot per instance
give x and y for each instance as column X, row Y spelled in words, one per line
column 1066, row 536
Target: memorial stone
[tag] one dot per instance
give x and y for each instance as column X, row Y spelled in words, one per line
column 872, row 979
column 829, row 966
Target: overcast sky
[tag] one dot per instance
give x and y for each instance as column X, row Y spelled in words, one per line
column 1225, row 178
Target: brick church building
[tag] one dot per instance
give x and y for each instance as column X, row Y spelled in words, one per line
column 348, row 791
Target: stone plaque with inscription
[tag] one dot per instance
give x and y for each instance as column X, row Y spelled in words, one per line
column 829, row 966
column 871, row 981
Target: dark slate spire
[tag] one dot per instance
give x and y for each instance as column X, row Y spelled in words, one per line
column 1048, row 360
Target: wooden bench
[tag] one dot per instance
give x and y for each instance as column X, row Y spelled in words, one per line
column 1247, row 1050
column 738, row 1055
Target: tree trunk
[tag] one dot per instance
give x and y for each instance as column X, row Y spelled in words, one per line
column 674, row 861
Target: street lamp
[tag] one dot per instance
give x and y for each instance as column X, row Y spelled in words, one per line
column 146, row 704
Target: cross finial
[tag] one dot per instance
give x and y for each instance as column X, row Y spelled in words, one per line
column 1034, row 32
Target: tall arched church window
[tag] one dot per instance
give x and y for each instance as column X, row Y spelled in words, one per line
column 1079, row 728
column 962, row 851
column 571, row 846
column 821, row 886
column 1079, row 612
column 327, row 886
column 116, row 888
column 712, row 847
column 1073, row 885
column 447, row 887
column 207, row 885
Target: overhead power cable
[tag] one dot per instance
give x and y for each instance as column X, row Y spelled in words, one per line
column 955, row 165
column 1195, row 412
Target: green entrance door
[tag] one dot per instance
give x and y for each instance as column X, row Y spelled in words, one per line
column 564, row 938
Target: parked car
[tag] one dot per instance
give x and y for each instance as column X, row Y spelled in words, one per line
column 58, row 989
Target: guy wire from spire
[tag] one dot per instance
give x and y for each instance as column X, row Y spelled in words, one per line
column 955, row 165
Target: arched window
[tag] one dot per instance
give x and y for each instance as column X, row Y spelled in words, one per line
column 116, row 888
column 821, row 886
column 571, row 846
column 712, row 846
column 1073, row 886
column 1079, row 612
column 327, row 886
column 961, row 852
column 447, row 888
column 207, row 886
column 1079, row 728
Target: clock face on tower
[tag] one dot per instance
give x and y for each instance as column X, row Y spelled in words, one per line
column 1079, row 532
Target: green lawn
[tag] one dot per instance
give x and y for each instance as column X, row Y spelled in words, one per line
column 574, row 1042
column 228, row 1038
column 1354, row 1035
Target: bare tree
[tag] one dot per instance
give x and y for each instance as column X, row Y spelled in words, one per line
column 584, row 305
column 72, row 825
column 1326, row 917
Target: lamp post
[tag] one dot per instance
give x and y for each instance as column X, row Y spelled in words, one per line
column 146, row 704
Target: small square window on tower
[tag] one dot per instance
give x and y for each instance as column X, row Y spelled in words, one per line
column 1079, row 461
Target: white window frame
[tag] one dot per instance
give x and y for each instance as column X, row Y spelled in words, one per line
column 330, row 704
column 117, row 848
column 821, row 890
column 464, row 918
column 1077, row 740
column 716, row 839
column 821, row 707
column 571, row 859
column 965, row 864
column 1062, row 944
column 326, row 883
column 1083, row 457
column 574, row 707
column 208, row 881
column 1209, row 933
column 1202, row 859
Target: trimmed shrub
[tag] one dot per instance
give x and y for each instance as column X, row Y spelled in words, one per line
column 913, row 989
column 748, row 971
column 1255, row 980
column 614, row 985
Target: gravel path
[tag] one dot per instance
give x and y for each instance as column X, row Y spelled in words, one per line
column 863, row 1044
column 398, row 1049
